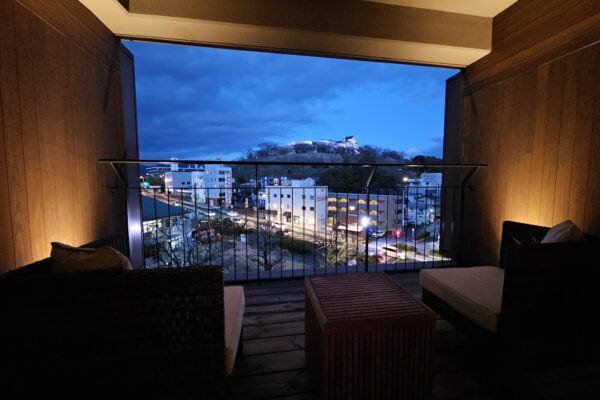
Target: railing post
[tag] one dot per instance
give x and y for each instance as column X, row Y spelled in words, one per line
column 368, row 190
column 257, row 226
column 463, row 186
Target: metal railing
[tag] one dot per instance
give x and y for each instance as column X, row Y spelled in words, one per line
column 258, row 231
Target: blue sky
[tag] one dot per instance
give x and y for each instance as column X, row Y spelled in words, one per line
column 204, row 103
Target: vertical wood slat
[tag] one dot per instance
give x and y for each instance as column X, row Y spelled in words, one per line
column 592, row 211
column 7, row 248
column 31, row 152
column 582, row 135
column 539, row 131
column 49, row 132
column 566, row 145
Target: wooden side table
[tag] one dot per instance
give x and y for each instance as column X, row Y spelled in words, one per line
column 367, row 338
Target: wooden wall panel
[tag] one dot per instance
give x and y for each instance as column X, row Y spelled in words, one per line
column 31, row 153
column 535, row 123
column 17, row 185
column 60, row 106
column 7, row 248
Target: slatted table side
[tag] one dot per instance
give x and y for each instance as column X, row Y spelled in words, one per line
column 367, row 338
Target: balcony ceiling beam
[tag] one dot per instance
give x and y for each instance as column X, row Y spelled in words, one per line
column 349, row 28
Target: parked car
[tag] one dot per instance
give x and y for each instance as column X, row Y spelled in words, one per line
column 377, row 234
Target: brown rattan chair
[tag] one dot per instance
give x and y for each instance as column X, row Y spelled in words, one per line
column 548, row 299
column 144, row 332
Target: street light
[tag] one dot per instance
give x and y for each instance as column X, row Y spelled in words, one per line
column 365, row 221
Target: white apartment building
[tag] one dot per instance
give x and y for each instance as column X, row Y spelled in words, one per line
column 298, row 203
column 179, row 178
column 176, row 181
column 429, row 183
column 213, row 185
column 423, row 198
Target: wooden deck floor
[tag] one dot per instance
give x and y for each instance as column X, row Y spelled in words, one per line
column 273, row 366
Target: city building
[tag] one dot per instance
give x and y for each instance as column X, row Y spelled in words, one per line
column 296, row 203
column 176, row 181
column 178, row 177
column 423, row 199
column 213, row 185
column 357, row 211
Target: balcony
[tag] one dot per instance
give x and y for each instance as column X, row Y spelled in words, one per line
column 274, row 365
column 528, row 107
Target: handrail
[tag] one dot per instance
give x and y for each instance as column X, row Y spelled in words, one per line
column 113, row 161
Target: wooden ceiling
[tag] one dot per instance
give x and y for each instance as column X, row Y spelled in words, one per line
column 433, row 32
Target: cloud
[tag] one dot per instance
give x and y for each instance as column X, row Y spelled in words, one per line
column 196, row 102
column 435, row 148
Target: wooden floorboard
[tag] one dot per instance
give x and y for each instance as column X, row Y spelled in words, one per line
column 273, row 318
column 273, row 330
column 272, row 362
column 274, row 366
column 278, row 344
column 274, row 308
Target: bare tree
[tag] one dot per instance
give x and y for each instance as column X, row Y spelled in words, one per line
column 335, row 250
column 269, row 249
column 179, row 243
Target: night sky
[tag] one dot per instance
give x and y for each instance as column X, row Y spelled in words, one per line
column 204, row 103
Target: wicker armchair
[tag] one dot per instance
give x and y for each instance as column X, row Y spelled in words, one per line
column 548, row 294
column 144, row 332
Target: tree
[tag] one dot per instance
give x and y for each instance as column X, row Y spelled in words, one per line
column 300, row 148
column 269, row 251
column 344, row 179
column 394, row 155
column 335, row 250
column 180, row 242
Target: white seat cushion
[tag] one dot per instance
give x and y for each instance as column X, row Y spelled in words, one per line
column 234, row 317
column 475, row 292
